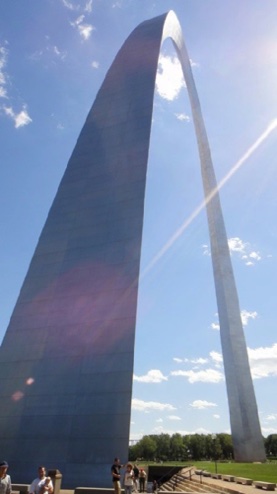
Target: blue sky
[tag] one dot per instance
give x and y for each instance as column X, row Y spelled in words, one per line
column 53, row 58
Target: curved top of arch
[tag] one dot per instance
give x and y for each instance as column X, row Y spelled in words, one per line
column 126, row 95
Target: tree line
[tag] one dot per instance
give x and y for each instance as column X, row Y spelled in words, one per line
column 163, row 447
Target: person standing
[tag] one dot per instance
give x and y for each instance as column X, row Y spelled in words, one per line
column 129, row 479
column 136, row 476
column 5, row 479
column 115, row 469
column 41, row 482
column 142, row 477
column 45, row 487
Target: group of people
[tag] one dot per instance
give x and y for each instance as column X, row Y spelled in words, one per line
column 41, row 485
column 133, row 477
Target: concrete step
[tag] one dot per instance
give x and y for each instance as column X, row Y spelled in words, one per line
column 179, row 483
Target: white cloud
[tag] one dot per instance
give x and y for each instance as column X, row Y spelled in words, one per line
column 20, row 119
column 166, row 430
column 48, row 54
column 60, row 54
column 159, row 430
column 178, row 360
column 169, row 78
column 268, row 430
column 152, row 376
column 136, row 436
column 9, row 111
column 255, row 255
column 159, row 421
column 244, row 251
column 84, row 30
column 237, row 245
column 173, row 417
column 3, row 81
column 246, row 315
column 182, row 116
column 241, row 249
column 144, row 406
column 206, row 250
column 95, row 64
column 70, row 5
column 216, row 416
column 201, row 430
column 202, row 404
column 3, row 92
column 88, row 6
column 3, row 57
column 76, row 6
column 78, row 21
column 208, row 375
column 216, row 357
column 199, row 360
column 215, row 325
column 272, row 416
column 193, row 64
column 263, row 361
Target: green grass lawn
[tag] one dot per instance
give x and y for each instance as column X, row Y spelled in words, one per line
column 259, row 471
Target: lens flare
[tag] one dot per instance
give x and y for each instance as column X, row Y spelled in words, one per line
column 30, row 381
column 271, row 127
column 18, row 395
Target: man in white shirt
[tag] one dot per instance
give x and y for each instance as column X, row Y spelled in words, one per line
column 40, row 484
column 5, row 480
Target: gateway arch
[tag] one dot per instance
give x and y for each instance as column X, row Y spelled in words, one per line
column 66, row 361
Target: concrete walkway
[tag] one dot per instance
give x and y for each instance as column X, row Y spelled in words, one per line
column 229, row 486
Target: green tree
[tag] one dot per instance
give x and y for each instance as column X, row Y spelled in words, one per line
column 163, row 446
column 217, row 451
column 197, row 446
column 226, row 444
column 147, row 448
column 271, row 445
column 177, row 448
column 191, row 447
column 134, row 452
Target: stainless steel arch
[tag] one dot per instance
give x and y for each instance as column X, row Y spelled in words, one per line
column 66, row 361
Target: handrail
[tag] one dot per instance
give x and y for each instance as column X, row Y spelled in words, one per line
column 167, row 473
column 159, row 481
